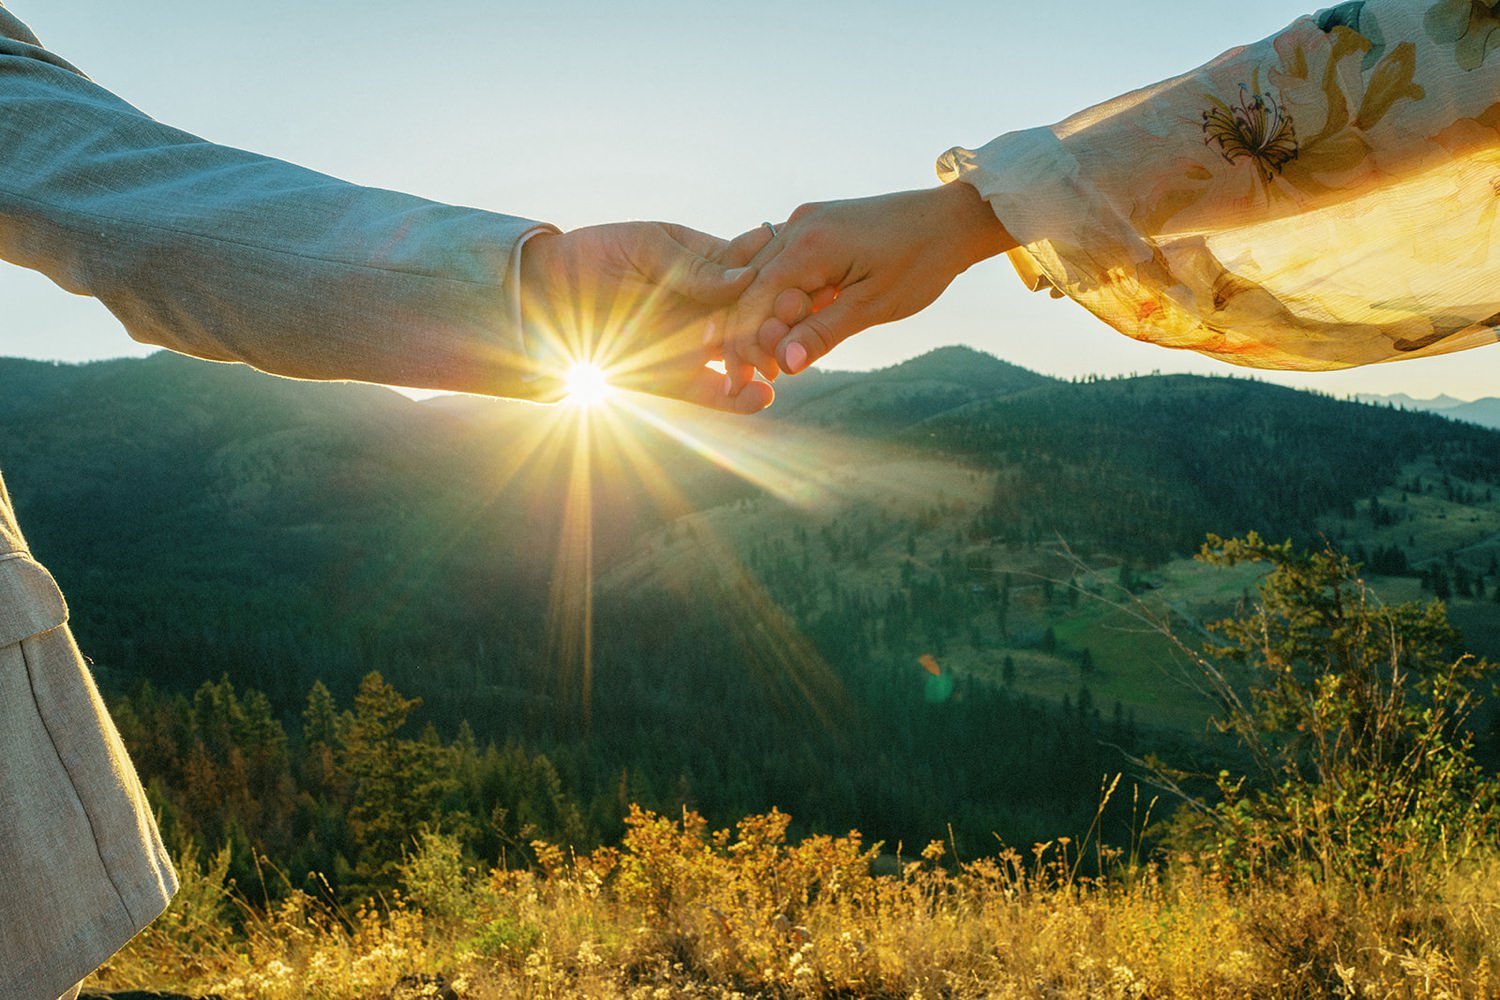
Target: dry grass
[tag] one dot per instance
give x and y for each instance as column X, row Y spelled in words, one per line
column 681, row 910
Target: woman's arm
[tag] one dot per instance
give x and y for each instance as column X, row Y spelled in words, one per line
column 1322, row 199
column 843, row 266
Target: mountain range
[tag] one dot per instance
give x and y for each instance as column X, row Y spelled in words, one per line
column 1484, row 412
column 197, row 475
column 627, row 587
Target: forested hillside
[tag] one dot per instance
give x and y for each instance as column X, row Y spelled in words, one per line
column 1144, row 468
column 890, row 604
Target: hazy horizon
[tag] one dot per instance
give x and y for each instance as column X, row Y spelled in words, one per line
column 1229, row 372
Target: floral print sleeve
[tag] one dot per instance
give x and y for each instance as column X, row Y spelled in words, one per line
column 1323, row 199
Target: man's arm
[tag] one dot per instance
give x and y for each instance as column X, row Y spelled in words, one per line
column 233, row 256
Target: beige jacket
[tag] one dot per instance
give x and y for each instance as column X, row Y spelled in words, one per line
column 81, row 866
column 224, row 255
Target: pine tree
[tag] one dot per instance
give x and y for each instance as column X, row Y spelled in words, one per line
column 321, row 722
column 398, row 783
column 323, row 726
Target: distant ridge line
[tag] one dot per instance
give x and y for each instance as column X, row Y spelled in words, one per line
column 1484, row 412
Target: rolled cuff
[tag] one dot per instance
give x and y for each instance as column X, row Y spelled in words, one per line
column 1036, row 188
column 540, row 383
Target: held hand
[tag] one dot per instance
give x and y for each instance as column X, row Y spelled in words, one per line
column 641, row 301
column 840, row 267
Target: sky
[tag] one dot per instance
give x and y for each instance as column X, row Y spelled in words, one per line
column 718, row 116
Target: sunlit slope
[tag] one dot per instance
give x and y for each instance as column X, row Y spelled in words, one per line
column 1048, row 526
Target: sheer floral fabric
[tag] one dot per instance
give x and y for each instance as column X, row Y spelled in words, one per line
column 1325, row 198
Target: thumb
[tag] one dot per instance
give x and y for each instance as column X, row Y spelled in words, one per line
column 821, row 332
column 674, row 264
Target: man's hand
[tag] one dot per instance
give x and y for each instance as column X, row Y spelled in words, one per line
column 840, row 267
column 644, row 302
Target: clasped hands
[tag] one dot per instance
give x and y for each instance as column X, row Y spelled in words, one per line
column 655, row 305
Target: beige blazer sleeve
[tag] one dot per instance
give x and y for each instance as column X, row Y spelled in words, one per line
column 233, row 256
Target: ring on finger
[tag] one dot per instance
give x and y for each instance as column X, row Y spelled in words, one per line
column 772, row 228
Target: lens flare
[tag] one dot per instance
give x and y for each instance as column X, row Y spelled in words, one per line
column 607, row 440
column 587, row 385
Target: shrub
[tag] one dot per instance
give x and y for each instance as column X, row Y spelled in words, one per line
column 1354, row 716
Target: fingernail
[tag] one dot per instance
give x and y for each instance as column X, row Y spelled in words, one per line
column 796, row 357
column 728, row 386
column 710, row 331
column 735, row 274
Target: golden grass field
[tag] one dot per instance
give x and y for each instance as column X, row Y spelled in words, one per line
column 679, row 910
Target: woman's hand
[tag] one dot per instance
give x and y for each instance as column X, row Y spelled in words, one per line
column 837, row 268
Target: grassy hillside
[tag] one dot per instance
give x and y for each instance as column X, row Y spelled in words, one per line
column 1369, row 870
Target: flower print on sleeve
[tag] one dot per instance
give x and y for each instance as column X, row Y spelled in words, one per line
column 1254, row 128
column 1472, row 27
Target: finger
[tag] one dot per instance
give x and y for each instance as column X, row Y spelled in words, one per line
column 741, row 347
column 738, row 252
column 755, row 302
column 792, row 306
column 823, row 297
column 706, row 387
column 754, row 397
column 701, row 386
column 821, row 332
column 743, row 353
column 772, row 332
column 743, row 248
column 798, row 269
column 761, row 359
column 738, row 373
column 671, row 256
column 700, row 243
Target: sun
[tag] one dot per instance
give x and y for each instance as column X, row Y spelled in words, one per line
column 587, row 385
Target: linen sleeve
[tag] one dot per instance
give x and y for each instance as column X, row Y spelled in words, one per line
column 233, row 256
column 1322, row 199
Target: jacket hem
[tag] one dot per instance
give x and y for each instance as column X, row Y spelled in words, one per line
column 74, row 959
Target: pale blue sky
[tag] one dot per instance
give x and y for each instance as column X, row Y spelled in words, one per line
column 717, row 116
